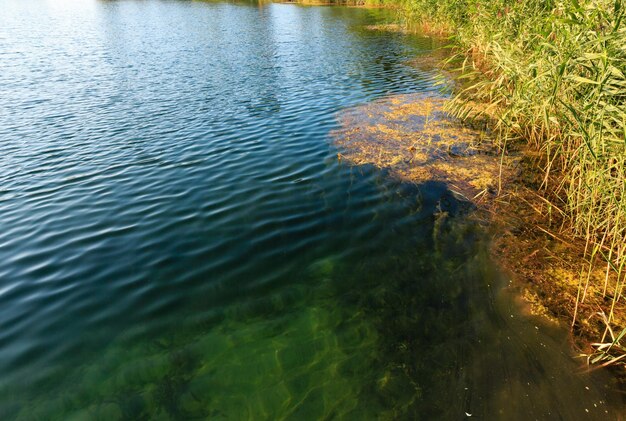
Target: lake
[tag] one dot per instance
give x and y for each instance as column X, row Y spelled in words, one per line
column 179, row 240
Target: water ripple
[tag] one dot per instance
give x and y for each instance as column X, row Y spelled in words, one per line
column 175, row 230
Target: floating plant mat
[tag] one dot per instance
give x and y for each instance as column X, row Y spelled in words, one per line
column 414, row 138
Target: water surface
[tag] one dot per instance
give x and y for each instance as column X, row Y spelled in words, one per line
column 178, row 239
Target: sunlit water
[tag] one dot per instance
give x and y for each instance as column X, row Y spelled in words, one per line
column 178, row 239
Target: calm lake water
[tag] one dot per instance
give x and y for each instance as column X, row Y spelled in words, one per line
column 178, row 239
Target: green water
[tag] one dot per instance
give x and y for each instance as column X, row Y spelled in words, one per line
column 179, row 240
column 347, row 338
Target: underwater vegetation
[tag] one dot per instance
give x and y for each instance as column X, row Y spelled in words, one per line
column 340, row 342
column 414, row 331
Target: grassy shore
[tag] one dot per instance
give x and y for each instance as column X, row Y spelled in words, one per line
column 552, row 74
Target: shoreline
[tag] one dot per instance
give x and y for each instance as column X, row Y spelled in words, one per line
column 561, row 242
column 414, row 138
column 556, row 274
column 547, row 80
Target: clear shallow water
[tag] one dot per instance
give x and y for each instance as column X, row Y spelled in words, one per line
column 179, row 241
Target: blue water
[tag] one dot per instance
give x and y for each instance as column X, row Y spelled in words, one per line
column 178, row 239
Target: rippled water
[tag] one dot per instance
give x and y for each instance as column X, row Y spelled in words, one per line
column 178, row 239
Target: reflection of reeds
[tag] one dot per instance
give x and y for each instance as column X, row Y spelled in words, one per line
column 553, row 74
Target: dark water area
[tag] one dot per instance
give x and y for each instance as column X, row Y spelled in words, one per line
column 178, row 239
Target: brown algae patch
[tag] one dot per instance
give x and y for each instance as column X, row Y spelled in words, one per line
column 416, row 140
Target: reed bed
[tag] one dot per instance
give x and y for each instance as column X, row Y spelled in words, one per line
column 552, row 73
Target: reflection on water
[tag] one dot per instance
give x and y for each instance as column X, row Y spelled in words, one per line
column 179, row 241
